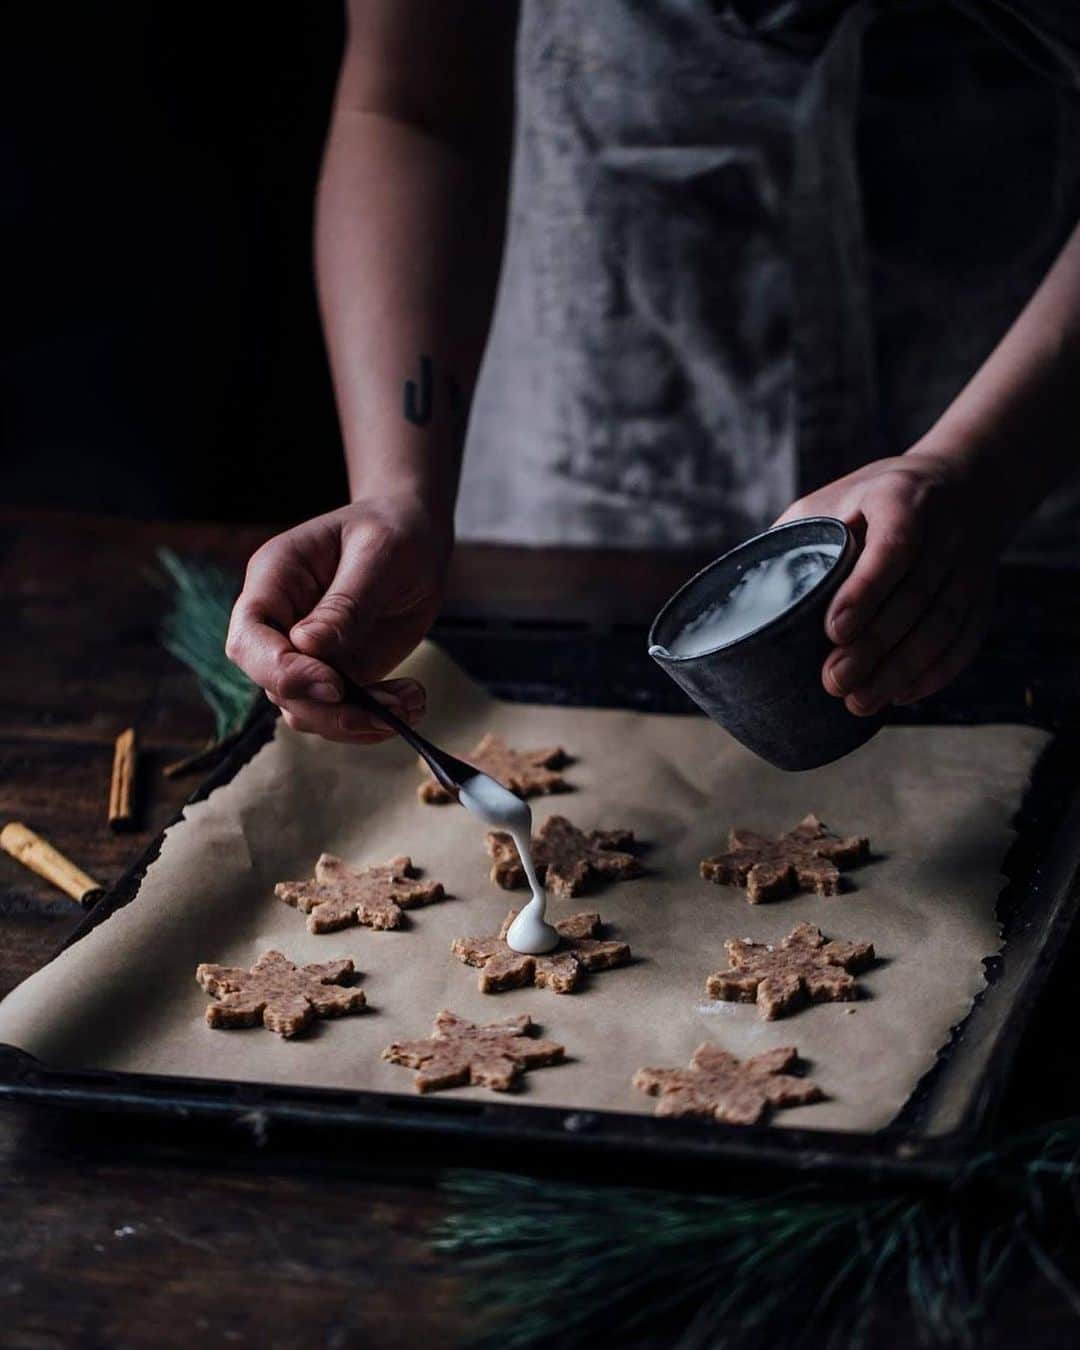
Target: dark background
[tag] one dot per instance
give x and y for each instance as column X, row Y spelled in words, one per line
column 160, row 352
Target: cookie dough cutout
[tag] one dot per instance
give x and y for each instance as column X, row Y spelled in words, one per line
column 460, row 1052
column 807, row 858
column 281, row 996
column 568, row 861
column 528, row 773
column 580, row 949
column 718, row 1086
column 372, row 896
column 803, row 969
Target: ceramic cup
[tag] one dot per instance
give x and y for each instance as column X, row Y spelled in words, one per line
column 765, row 687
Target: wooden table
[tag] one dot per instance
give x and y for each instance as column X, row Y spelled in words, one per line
column 118, row 1234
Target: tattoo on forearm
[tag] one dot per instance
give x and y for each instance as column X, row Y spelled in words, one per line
column 419, row 396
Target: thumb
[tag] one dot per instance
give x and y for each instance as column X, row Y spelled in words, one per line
column 338, row 626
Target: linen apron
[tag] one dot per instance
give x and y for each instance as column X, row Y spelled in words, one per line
column 755, row 244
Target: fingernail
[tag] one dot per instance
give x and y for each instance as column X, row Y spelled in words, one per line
column 413, row 696
column 841, row 672
column 405, row 695
column 842, row 624
column 325, row 692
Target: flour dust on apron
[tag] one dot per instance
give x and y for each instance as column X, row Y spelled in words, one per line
column 754, row 245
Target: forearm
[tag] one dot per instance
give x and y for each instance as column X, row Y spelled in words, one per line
column 1014, row 425
column 408, row 244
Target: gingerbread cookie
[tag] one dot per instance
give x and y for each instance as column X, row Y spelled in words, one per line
column 560, row 971
column 528, row 773
column 374, row 896
column 720, row 1087
column 807, row 858
column 283, row 997
column 459, row 1052
column 567, row 859
column 803, row 968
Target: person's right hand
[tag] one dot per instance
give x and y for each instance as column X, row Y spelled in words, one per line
column 354, row 590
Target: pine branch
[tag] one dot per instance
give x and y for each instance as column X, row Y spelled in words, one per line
column 194, row 632
column 569, row 1265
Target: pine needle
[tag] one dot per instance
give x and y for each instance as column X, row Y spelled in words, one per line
column 804, row 1268
column 194, row 632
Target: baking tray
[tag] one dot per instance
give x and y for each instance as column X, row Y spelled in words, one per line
column 585, row 664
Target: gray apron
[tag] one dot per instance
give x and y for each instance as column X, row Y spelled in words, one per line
column 753, row 245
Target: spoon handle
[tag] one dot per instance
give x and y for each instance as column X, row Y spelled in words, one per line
column 450, row 772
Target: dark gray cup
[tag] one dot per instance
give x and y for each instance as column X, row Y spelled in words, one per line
column 765, row 688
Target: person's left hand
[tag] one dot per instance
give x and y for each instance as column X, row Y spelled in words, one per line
column 914, row 608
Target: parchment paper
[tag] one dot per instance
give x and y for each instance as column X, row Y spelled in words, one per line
column 936, row 803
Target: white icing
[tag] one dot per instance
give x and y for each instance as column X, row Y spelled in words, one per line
column 761, row 593
column 499, row 807
column 530, row 932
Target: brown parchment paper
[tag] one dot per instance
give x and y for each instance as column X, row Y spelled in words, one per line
column 936, row 802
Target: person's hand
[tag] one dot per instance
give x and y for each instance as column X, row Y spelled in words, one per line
column 354, row 590
column 914, row 609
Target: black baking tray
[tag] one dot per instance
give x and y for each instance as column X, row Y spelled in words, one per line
column 598, row 665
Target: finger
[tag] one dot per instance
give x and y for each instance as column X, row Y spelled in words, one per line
column 338, row 624
column 276, row 590
column 298, row 723
column 798, row 511
column 846, row 668
column 840, row 499
column 893, row 542
column 266, row 656
column 956, row 657
column 923, row 646
column 406, row 698
column 347, row 721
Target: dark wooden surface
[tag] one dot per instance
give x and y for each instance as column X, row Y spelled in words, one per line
column 118, row 1233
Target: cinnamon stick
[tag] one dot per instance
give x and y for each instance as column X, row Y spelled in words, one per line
column 40, row 856
column 122, row 784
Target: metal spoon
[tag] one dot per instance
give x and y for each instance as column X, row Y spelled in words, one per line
column 486, row 798
column 450, row 772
